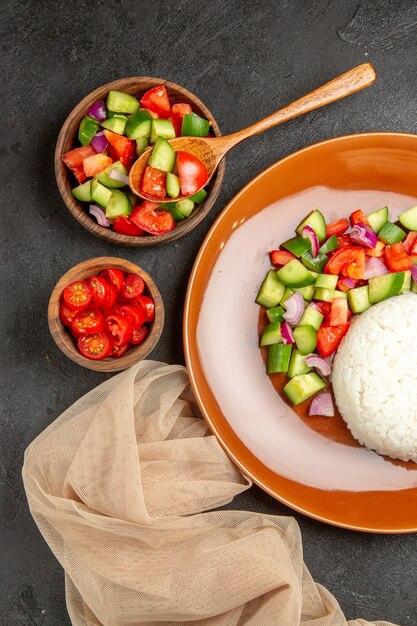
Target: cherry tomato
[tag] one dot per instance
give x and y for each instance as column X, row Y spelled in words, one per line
column 111, row 298
column 147, row 217
column 87, row 322
column 96, row 346
column 66, row 314
column 148, row 306
column 358, row 217
column 118, row 351
column 119, row 329
column 156, row 99
column 192, row 172
column 100, row 288
column 337, row 228
column 125, row 226
column 153, row 183
column 113, row 276
column 78, row 295
column 132, row 287
column 281, row 257
column 349, row 261
column 396, row 258
column 139, row 335
column 329, row 338
column 135, row 314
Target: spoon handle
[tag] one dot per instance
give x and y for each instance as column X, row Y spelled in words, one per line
column 340, row 87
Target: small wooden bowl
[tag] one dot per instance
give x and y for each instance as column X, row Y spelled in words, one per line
column 67, row 140
column 63, row 337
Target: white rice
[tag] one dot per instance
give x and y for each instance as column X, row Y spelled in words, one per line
column 374, row 378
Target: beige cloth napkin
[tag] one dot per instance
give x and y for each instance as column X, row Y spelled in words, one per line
column 117, row 485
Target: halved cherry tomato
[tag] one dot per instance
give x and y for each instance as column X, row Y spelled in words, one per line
column 95, row 164
column 153, row 183
column 147, row 217
column 87, row 322
column 135, row 314
column 378, row 251
column 409, row 241
column 118, row 351
column 100, row 288
column 113, row 276
column 281, row 257
column 96, row 346
column 118, row 328
column 139, row 335
column 132, row 287
column 337, row 228
column 339, row 312
column 74, row 161
column 329, row 338
column 156, row 99
column 349, row 261
column 192, row 172
column 148, row 306
column 125, row 226
column 325, row 309
column 78, row 295
column 358, row 217
column 66, row 314
column 396, row 258
column 181, row 109
column 111, row 298
column 121, row 148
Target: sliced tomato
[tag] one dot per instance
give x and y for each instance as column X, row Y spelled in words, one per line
column 78, row 295
column 111, row 298
column 396, row 258
column 325, row 309
column 156, row 99
column 118, row 328
column 133, row 287
column 339, row 312
column 329, row 338
column 121, row 148
column 281, row 257
column 148, row 305
column 66, row 314
column 349, row 261
column 177, row 124
column 86, row 322
column 337, row 228
column 139, row 335
column 181, row 109
column 156, row 222
column 153, row 183
column 409, row 241
column 378, row 251
column 113, row 276
column 125, row 226
column 343, row 241
column 118, row 351
column 135, row 314
column 96, row 346
column 192, row 172
column 358, row 217
column 95, row 164
column 100, row 288
column 341, row 285
column 74, row 161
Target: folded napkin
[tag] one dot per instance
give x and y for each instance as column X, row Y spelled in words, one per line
column 117, row 485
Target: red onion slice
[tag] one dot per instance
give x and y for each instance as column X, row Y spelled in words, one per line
column 308, row 233
column 414, row 273
column 363, row 235
column 286, row 332
column 319, row 364
column 98, row 110
column 99, row 142
column 375, row 267
column 122, row 178
column 295, row 308
column 322, row 404
column 99, row 215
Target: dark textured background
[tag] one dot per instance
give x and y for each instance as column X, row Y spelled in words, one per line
column 243, row 59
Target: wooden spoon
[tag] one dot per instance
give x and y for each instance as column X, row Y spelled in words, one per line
column 211, row 150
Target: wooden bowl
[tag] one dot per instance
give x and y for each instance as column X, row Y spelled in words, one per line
column 67, row 140
column 63, row 337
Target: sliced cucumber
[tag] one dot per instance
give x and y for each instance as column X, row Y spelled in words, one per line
column 139, row 124
column 383, row 287
column 377, row 219
column 312, row 317
column 104, row 176
column 271, row 290
column 391, row 233
column 119, row 205
column 100, row 193
column 199, row 197
column 317, row 222
column 315, row 264
column 305, row 338
column 407, row 282
column 298, row 366
column 327, row 281
column 330, row 245
column 185, row 207
column 162, row 155
column 358, row 299
column 294, row 274
column 271, row 334
column 297, row 245
column 83, row 192
column 409, row 218
column 301, row 388
column 87, row 130
column 279, row 355
column 120, row 102
column 194, row 126
column 287, row 293
column 141, row 144
column 327, row 295
column 306, row 292
column 275, row 314
column 162, row 128
column 116, row 124
column 173, row 185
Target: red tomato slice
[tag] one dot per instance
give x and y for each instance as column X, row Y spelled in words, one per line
column 192, row 172
column 343, row 241
column 153, row 183
column 79, row 174
column 148, row 305
column 181, row 109
column 121, row 148
column 100, row 289
column 139, row 335
column 135, row 314
column 118, row 351
column 177, row 124
column 78, row 295
column 409, row 241
column 95, row 164
column 66, row 314
column 337, row 228
column 113, row 276
column 156, row 99
column 378, row 251
column 325, row 309
column 96, row 346
column 86, row 322
column 349, row 261
column 281, row 257
column 339, row 312
column 329, row 338
column 147, row 217
column 132, row 287
column 111, row 297
column 125, row 226
column 118, row 328
column 74, row 161
column 396, row 258
column 358, row 217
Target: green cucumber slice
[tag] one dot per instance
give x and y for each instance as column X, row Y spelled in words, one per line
column 199, row 197
column 306, row 292
column 391, row 233
column 358, row 299
column 173, row 185
column 383, row 287
column 100, row 193
column 294, row 274
column 305, row 339
column 377, row 219
column 275, row 314
column 327, row 281
column 139, row 124
column 116, row 124
column 407, row 282
column 162, row 128
column 83, row 192
column 271, row 334
column 409, row 218
column 87, row 130
column 271, row 290
column 120, row 102
column 119, row 205
column 298, row 366
column 185, row 207
column 330, row 245
column 312, row 317
column 317, row 222
column 315, row 264
column 287, row 293
column 327, row 295
column 176, row 214
column 104, row 176
column 141, row 144
column 278, row 360
column 297, row 245
column 301, row 388
column 194, row 126
column 162, row 155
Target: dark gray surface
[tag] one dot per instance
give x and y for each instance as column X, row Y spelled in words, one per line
column 244, row 60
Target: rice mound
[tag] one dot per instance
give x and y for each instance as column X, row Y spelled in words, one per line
column 374, row 378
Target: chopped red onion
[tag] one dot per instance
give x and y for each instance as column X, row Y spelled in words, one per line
column 319, row 364
column 308, row 233
column 295, row 308
column 414, row 273
column 322, row 404
column 349, row 283
column 375, row 267
column 286, row 332
column 99, row 214
column 98, row 111
column 99, row 142
column 122, row 178
column 363, row 235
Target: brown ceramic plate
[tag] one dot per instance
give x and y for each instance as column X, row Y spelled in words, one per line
column 312, row 468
